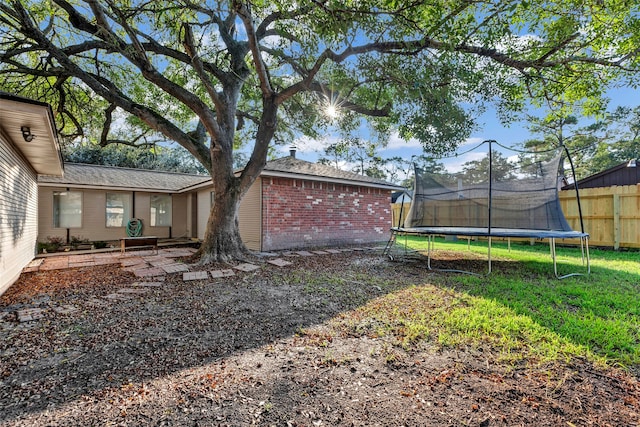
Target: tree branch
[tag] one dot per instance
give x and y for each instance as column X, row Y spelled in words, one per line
column 151, row 74
column 107, row 125
column 190, row 49
column 261, row 69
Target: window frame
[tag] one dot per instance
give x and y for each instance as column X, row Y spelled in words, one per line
column 127, row 207
column 153, row 218
column 57, row 211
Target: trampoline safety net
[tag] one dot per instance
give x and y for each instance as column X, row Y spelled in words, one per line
column 516, row 195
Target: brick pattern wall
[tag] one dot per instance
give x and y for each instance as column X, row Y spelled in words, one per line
column 299, row 213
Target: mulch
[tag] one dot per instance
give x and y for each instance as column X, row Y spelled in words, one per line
column 258, row 348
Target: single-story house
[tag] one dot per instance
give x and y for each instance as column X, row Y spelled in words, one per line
column 293, row 204
column 28, row 148
column 96, row 202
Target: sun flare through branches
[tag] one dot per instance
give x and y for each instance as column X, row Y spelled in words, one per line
column 331, row 104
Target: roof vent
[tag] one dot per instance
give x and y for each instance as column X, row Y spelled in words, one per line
column 292, row 151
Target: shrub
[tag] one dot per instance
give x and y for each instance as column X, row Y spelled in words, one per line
column 75, row 241
column 52, row 244
column 100, row 245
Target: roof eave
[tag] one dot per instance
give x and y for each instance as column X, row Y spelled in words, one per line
column 281, row 174
column 42, row 152
column 602, row 173
column 198, row 186
column 107, row 187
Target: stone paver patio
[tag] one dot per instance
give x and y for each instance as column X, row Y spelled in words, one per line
column 140, row 259
column 145, row 265
column 246, row 267
column 279, row 262
column 195, row 275
column 216, row 274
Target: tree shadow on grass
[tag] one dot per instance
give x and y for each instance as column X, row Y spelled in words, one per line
column 600, row 311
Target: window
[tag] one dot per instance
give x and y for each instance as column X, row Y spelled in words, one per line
column 118, row 209
column 67, row 209
column 161, row 210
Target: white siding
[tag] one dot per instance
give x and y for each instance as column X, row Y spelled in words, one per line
column 18, row 214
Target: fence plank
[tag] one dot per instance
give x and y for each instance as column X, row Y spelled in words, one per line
column 396, row 208
column 611, row 214
column 616, row 221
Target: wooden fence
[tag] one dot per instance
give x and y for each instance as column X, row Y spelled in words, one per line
column 611, row 215
column 396, row 208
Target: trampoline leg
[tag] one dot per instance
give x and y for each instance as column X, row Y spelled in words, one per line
column 552, row 245
column 489, row 255
column 390, row 243
column 468, row 243
column 586, row 241
column 431, row 245
column 406, row 241
column 509, row 244
column 429, row 251
column 555, row 266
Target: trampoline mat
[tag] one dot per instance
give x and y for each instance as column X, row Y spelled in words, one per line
column 495, row 232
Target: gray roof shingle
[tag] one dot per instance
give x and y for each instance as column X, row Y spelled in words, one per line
column 291, row 165
column 125, row 178
column 111, row 177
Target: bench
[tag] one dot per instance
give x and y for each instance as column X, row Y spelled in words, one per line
column 129, row 242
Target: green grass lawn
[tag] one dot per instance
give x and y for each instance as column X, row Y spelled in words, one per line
column 521, row 309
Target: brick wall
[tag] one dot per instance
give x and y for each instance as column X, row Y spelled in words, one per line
column 298, row 213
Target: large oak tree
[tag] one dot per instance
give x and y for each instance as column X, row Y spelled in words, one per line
column 216, row 75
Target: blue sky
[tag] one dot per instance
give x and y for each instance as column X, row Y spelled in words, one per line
column 489, row 127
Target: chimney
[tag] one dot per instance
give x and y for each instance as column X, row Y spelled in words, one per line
column 292, row 151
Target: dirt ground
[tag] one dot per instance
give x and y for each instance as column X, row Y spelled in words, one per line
column 258, row 349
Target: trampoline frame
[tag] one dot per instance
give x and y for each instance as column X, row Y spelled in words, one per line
column 489, row 232
column 551, row 235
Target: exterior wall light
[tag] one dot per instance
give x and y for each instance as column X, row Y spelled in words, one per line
column 26, row 133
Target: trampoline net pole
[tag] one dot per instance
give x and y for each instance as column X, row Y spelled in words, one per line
column 575, row 185
column 489, row 255
column 490, row 188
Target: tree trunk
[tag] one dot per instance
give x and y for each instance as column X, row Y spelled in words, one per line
column 222, row 242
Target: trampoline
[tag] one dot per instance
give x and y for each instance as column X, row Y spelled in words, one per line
column 520, row 201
